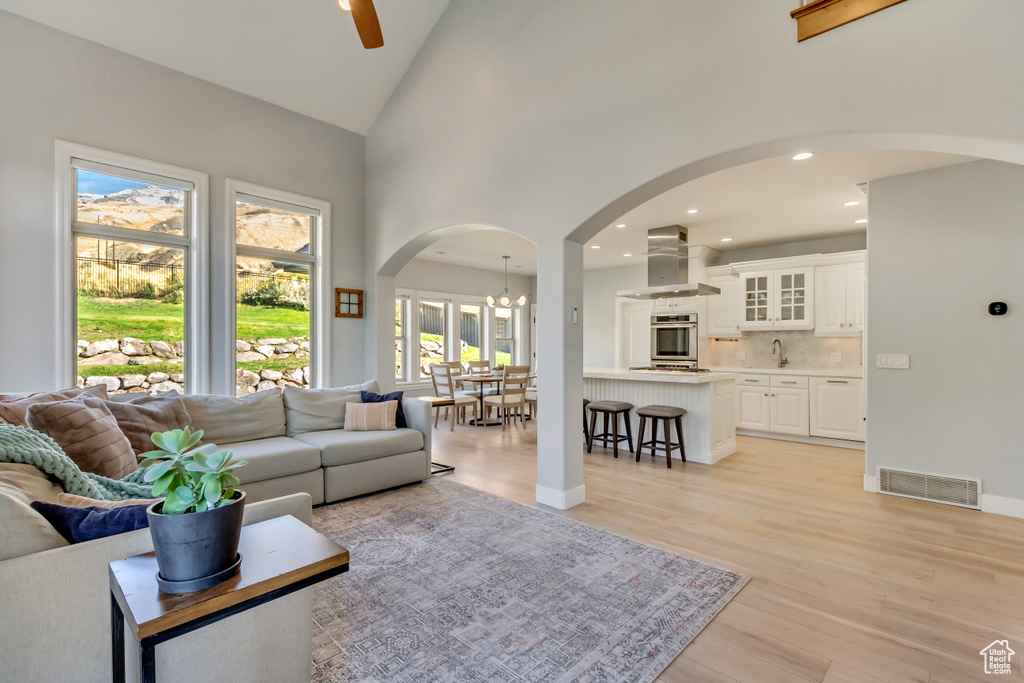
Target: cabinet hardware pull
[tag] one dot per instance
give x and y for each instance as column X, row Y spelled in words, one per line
column 751, row 380
column 842, row 324
column 787, row 382
column 836, row 381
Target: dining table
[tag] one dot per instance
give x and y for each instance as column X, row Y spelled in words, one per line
column 483, row 380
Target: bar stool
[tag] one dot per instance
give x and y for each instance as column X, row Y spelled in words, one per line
column 586, row 432
column 610, row 409
column 668, row 414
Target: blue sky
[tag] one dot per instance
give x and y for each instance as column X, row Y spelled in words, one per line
column 97, row 183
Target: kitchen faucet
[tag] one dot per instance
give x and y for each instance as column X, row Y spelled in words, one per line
column 782, row 359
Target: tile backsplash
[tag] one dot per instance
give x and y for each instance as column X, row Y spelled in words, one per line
column 803, row 350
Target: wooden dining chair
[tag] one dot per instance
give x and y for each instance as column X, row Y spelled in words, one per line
column 445, row 396
column 482, row 367
column 511, row 402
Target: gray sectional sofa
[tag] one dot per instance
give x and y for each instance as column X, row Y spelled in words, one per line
column 295, row 441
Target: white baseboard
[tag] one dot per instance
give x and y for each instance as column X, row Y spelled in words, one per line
column 562, row 500
column 870, row 483
column 1001, row 505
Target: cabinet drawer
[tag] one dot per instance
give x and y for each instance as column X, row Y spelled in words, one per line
column 789, row 381
column 752, row 380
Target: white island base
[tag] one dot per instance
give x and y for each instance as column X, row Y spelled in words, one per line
column 709, row 426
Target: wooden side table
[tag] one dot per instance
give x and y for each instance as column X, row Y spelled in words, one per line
column 279, row 556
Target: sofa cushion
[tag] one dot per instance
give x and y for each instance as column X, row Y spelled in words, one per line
column 317, row 410
column 86, row 431
column 13, row 407
column 270, row 458
column 372, row 397
column 33, row 483
column 71, row 500
column 226, row 419
column 78, row 525
column 23, row 531
column 341, row 447
column 142, row 415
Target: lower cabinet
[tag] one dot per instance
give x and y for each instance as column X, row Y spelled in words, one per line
column 752, row 408
column 837, row 408
column 789, row 414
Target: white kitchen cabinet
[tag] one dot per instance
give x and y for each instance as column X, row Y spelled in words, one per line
column 778, row 299
column 836, row 408
column 789, row 411
column 839, row 300
column 752, row 408
column 725, row 310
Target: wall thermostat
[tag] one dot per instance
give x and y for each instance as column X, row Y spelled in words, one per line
column 998, row 308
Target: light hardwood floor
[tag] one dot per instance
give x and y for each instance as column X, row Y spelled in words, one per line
column 847, row 586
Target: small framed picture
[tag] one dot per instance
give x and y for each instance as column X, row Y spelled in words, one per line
column 348, row 303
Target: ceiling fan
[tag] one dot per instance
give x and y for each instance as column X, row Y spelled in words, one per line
column 365, row 16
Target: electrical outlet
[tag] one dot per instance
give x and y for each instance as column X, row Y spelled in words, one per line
column 835, row 357
column 741, row 355
column 893, row 361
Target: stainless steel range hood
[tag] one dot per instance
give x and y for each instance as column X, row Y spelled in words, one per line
column 668, row 268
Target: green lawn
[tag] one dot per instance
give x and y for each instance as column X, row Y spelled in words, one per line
column 152, row 320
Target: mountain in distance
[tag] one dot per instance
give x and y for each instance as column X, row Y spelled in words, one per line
column 151, row 195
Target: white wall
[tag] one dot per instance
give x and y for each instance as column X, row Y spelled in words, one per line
column 825, row 245
column 941, row 246
column 599, row 304
column 55, row 85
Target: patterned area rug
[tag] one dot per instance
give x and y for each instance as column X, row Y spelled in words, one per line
column 448, row 583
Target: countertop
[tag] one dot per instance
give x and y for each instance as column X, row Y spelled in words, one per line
column 657, row 376
column 790, row 371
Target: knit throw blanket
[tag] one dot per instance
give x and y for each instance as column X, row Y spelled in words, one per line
column 28, row 447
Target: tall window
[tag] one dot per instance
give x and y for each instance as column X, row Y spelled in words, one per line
column 471, row 332
column 504, row 336
column 278, row 285
column 401, row 311
column 433, row 331
column 134, row 234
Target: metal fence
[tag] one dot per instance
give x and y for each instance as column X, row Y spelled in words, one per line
column 432, row 322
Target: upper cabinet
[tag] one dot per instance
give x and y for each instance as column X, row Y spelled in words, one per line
column 686, row 304
column 725, row 310
column 778, row 299
column 839, row 308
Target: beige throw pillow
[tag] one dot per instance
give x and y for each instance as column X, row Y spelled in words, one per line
column 13, row 407
column 86, row 431
column 226, row 419
column 71, row 500
column 139, row 417
column 32, row 482
column 23, row 531
column 318, row 410
column 371, row 417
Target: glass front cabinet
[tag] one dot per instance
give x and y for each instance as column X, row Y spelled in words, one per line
column 778, row 299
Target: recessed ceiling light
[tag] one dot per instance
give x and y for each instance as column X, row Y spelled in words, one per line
column 862, row 220
column 727, row 239
column 802, row 155
column 621, row 225
column 596, row 246
column 850, row 203
column 692, row 211
column 627, row 254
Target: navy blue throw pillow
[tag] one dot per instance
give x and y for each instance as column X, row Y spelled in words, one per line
column 78, row 524
column 370, row 397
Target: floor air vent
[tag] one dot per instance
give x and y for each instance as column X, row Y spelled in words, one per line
column 949, row 490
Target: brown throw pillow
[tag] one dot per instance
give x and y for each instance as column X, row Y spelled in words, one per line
column 86, row 431
column 139, row 417
column 370, row 417
column 14, row 406
column 71, row 500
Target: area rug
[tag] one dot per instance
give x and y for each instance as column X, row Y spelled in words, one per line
column 448, row 583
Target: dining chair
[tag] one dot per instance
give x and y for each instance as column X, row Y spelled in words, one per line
column 482, row 367
column 445, row 396
column 511, row 402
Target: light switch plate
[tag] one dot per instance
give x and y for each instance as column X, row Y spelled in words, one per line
column 741, row 355
column 835, row 357
column 893, row 361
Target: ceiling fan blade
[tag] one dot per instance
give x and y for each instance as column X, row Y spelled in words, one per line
column 365, row 16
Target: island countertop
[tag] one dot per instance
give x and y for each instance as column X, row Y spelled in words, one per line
column 657, row 375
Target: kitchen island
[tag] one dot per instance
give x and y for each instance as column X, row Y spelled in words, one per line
column 709, row 426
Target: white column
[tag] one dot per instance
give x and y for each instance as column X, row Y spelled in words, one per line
column 379, row 308
column 560, row 374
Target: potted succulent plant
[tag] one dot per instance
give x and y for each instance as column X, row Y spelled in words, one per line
column 196, row 527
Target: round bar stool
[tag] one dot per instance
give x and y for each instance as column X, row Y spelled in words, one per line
column 586, row 432
column 668, row 414
column 611, row 410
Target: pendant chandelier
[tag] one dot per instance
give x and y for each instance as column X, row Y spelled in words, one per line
column 505, row 299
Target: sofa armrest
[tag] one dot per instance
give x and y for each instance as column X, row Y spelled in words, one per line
column 298, row 505
column 417, row 416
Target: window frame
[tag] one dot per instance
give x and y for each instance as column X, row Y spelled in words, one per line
column 514, row 339
column 405, row 299
column 69, row 157
column 318, row 260
column 447, row 303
